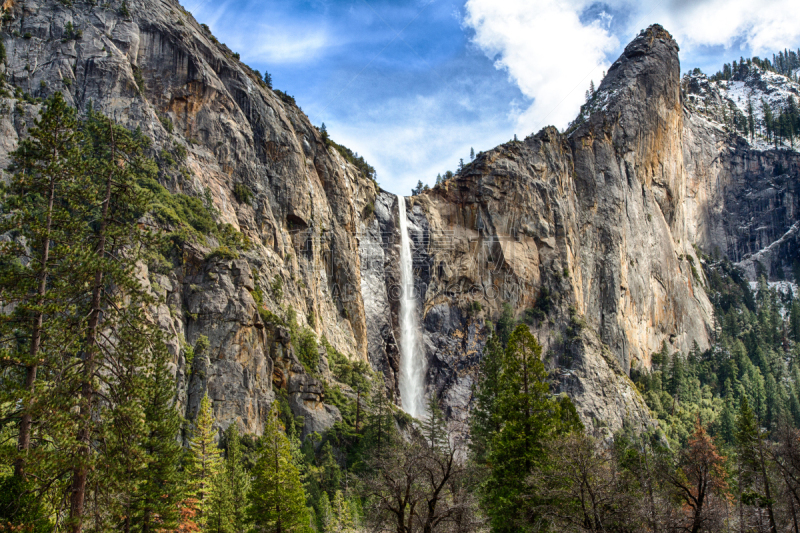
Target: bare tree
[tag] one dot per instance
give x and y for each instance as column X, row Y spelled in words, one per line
column 582, row 488
column 416, row 487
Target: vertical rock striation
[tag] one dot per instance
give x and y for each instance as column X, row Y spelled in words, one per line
column 588, row 234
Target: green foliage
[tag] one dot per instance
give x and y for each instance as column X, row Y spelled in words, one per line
column 242, row 193
column 166, row 122
column 543, row 306
column 505, row 324
column 517, row 418
column 156, row 501
column 285, row 98
column 305, row 346
column 178, row 210
column 475, row 308
column 750, row 359
column 277, row 501
column 231, row 485
column 139, row 79
column 222, row 252
column 205, row 463
column 89, row 375
column 356, row 374
column 277, row 288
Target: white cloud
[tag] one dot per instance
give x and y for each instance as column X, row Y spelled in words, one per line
column 552, row 56
column 546, row 51
column 763, row 26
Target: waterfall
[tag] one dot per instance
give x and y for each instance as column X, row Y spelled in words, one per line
column 412, row 356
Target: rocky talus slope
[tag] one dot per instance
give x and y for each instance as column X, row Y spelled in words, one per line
column 592, row 230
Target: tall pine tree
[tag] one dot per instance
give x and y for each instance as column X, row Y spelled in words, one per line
column 277, row 499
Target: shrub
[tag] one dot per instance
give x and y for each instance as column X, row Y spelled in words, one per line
column 305, row 347
column 368, row 210
column 242, row 193
column 277, row 288
column 138, row 78
column 166, row 122
column 178, row 209
column 222, row 252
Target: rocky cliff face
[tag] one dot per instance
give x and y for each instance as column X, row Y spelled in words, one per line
column 151, row 65
column 587, row 234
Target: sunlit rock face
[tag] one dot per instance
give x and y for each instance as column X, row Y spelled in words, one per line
column 588, row 233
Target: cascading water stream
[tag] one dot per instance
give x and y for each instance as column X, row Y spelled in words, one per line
column 412, row 357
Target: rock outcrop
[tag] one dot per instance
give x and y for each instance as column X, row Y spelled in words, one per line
column 588, row 235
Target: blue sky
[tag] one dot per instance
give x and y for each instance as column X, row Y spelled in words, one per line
column 413, row 85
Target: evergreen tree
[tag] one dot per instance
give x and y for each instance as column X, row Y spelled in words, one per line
column 794, row 321
column 343, row 518
column 42, row 208
column 46, row 166
column 433, row 428
column 268, row 80
column 205, row 464
column 472, row 154
column 768, row 118
column 485, row 419
column 325, row 518
column 277, row 499
column 754, row 481
column 115, row 333
column 227, row 512
column 162, row 485
column 530, row 418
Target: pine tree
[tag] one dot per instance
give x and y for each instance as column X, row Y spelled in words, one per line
column 794, row 321
column 205, row 465
column 379, row 431
column 325, row 518
column 227, row 509
column 343, row 517
column 45, row 166
column 754, row 481
column 530, row 417
column 162, row 487
column 115, row 333
column 277, row 499
column 766, row 113
column 268, row 79
column 472, row 154
column 433, row 427
column 485, row 419
column 42, row 206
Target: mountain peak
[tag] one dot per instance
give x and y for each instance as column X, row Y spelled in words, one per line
column 647, row 72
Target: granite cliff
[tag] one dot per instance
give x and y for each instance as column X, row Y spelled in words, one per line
column 589, row 234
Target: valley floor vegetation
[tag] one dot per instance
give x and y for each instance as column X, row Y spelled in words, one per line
column 91, row 440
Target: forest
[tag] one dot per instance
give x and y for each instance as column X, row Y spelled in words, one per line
column 90, row 439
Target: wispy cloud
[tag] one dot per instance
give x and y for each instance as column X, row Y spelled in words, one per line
column 277, row 44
